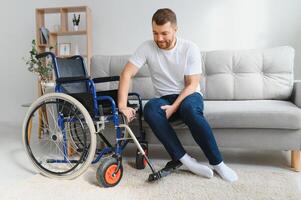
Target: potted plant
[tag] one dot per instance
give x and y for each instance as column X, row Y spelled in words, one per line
column 76, row 21
column 42, row 67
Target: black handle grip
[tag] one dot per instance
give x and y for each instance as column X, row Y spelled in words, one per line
column 75, row 57
column 45, row 54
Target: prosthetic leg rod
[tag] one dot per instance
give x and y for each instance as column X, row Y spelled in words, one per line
column 138, row 146
column 155, row 175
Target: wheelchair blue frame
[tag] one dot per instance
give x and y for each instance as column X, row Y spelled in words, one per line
column 92, row 89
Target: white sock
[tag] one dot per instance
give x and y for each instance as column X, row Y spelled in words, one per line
column 195, row 167
column 225, row 172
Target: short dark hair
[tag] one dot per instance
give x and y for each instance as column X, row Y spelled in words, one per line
column 164, row 15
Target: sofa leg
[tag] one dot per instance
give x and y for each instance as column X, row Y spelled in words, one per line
column 295, row 160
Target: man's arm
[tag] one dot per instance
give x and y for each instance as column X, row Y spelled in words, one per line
column 191, row 84
column 128, row 72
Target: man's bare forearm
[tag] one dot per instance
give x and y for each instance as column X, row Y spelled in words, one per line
column 188, row 90
column 123, row 89
column 191, row 84
column 128, row 72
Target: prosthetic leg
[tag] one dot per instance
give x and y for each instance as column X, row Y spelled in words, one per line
column 168, row 169
column 155, row 175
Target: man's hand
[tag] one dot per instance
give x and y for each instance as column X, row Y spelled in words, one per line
column 169, row 110
column 129, row 113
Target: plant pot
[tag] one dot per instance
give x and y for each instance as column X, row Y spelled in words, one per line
column 47, row 86
column 75, row 27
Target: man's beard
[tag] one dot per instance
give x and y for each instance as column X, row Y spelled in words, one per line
column 164, row 44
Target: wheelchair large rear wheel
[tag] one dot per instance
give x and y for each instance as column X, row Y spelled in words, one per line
column 47, row 140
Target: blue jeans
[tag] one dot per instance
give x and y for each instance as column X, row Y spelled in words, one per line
column 190, row 112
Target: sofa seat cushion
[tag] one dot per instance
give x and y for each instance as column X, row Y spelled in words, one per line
column 274, row 114
column 253, row 114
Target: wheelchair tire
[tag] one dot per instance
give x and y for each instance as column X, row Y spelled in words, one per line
column 46, row 136
column 140, row 160
column 105, row 172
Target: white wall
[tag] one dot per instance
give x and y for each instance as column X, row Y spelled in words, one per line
column 120, row 26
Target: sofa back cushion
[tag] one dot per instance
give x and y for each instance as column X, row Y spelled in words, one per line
column 248, row 74
column 227, row 75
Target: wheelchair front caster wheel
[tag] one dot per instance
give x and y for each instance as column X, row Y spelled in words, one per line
column 140, row 160
column 106, row 174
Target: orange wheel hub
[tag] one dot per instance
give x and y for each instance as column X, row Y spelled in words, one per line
column 110, row 177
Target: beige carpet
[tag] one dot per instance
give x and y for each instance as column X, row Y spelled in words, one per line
column 252, row 184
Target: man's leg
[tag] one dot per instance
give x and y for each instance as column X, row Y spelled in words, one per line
column 156, row 118
column 191, row 112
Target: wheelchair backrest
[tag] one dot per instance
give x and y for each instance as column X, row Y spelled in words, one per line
column 74, row 67
column 71, row 67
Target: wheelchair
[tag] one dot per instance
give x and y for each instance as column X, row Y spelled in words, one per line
column 65, row 131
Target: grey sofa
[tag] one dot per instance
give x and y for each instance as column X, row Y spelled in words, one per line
column 251, row 98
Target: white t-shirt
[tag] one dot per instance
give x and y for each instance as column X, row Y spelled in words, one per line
column 168, row 67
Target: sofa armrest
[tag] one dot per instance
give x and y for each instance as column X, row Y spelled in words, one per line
column 296, row 94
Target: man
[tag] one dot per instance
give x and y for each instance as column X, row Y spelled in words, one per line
column 175, row 69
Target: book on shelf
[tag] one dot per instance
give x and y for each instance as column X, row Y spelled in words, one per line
column 44, row 35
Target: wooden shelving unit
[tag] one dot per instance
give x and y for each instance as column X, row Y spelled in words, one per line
column 64, row 30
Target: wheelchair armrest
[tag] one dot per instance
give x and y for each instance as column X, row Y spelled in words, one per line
column 136, row 95
column 140, row 110
column 105, row 79
column 139, row 100
column 72, row 79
